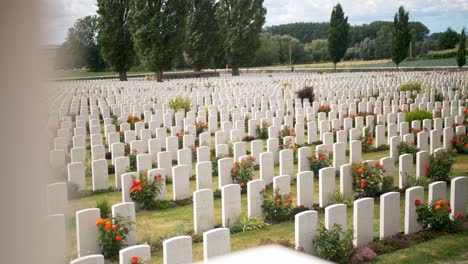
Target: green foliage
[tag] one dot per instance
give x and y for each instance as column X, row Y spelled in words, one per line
column 104, row 207
column 418, row 181
column 461, row 52
column 340, row 198
column 245, row 224
column 262, row 130
column 80, row 48
column 411, row 86
column 440, row 168
column 268, row 51
column 447, row 39
column 367, row 140
column 276, row 207
column 306, row 93
column 418, row 115
column 401, row 36
column 114, row 35
column 338, row 34
column 437, row 216
column 241, row 22
column 335, row 244
column 317, row 50
column 158, row 32
column 442, row 54
column 405, row 148
column 204, row 36
column 180, row 102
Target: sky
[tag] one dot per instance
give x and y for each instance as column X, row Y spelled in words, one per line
column 437, row 15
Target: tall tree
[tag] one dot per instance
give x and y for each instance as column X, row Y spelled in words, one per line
column 241, row 22
column 448, row 39
column 461, row 53
column 158, row 32
column 80, row 48
column 338, row 35
column 114, row 35
column 401, row 36
column 203, row 33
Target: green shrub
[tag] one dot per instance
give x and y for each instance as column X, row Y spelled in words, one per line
column 418, row 115
column 418, row 181
column 179, row 102
column 105, row 208
column 412, row 86
column 339, row 198
column 245, row 224
column 440, row 168
column 335, row 244
column 441, row 54
column 405, row 148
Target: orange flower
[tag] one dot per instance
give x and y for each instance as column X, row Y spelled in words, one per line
column 118, row 238
column 440, row 202
column 135, row 151
column 278, row 201
column 437, row 207
column 242, row 184
column 100, row 221
column 290, row 199
column 361, row 170
column 286, row 204
column 235, row 170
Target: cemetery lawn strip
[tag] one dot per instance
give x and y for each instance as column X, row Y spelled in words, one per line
column 443, row 249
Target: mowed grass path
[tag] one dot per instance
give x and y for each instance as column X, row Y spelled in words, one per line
column 179, row 220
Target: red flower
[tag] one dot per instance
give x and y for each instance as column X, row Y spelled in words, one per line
column 458, row 215
column 363, row 185
column 449, row 210
column 177, row 134
column 278, row 201
column 417, row 202
column 118, row 238
column 235, row 170
column 322, row 158
column 427, row 166
column 135, row 260
column 158, row 177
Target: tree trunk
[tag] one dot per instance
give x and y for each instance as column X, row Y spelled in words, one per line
column 159, row 74
column 123, row 76
column 334, row 66
column 235, row 71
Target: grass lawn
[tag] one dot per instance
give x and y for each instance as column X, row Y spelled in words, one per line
column 160, row 224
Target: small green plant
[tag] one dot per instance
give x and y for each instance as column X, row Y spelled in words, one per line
column 104, row 207
column 418, row 115
column 437, row 216
column 262, row 130
column 440, row 168
column 418, row 181
column 335, row 244
column 412, row 86
column 405, row 148
column 245, row 224
column 340, row 198
column 277, row 208
column 180, row 102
